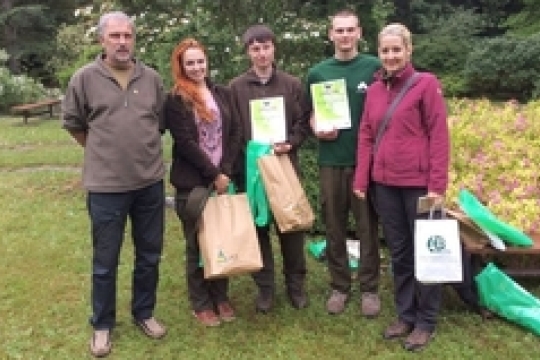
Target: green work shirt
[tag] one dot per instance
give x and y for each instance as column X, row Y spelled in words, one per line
column 358, row 74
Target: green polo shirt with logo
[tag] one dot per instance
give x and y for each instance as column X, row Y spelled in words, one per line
column 358, row 74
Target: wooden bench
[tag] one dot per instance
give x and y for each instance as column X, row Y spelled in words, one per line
column 37, row 108
column 476, row 243
column 479, row 255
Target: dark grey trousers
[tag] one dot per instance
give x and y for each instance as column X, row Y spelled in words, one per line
column 417, row 304
column 337, row 200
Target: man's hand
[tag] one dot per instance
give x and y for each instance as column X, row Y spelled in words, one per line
column 79, row 136
column 360, row 194
column 221, row 183
column 436, row 200
column 327, row 135
column 282, row 148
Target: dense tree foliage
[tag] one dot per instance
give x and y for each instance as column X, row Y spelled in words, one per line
column 48, row 39
column 28, row 30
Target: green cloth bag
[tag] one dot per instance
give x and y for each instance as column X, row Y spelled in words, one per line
column 486, row 220
column 258, row 201
column 500, row 294
column 317, row 248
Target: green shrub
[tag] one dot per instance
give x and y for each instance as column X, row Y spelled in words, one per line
column 446, row 41
column 67, row 70
column 505, row 67
column 454, row 85
column 17, row 89
column 74, row 48
column 310, row 179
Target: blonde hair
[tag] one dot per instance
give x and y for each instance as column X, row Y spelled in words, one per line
column 397, row 29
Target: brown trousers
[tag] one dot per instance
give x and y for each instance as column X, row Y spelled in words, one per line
column 337, row 200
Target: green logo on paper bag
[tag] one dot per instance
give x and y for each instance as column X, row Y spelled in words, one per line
column 223, row 258
column 436, row 243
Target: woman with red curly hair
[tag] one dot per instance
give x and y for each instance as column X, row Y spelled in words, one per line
column 206, row 140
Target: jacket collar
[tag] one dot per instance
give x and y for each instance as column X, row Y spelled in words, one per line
column 210, row 84
column 137, row 69
column 253, row 78
column 396, row 78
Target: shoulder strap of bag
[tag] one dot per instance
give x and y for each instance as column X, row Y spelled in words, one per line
column 391, row 108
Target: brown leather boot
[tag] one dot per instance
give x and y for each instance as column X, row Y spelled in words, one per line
column 397, row 329
column 418, row 339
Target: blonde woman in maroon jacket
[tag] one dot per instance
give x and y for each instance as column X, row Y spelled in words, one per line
column 411, row 161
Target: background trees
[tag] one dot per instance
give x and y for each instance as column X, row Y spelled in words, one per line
column 27, row 31
column 467, row 43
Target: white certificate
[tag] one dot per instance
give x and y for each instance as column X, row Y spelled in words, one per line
column 331, row 105
column 268, row 120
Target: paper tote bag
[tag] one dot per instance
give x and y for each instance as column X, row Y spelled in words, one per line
column 227, row 237
column 437, row 251
column 288, row 201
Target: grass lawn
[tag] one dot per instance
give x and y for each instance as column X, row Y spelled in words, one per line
column 44, row 286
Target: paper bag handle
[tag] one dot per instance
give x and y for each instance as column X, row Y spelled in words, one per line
column 434, row 207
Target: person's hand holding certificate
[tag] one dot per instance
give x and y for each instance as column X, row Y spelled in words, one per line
column 331, row 105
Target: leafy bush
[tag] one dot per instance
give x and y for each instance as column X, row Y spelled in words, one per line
column 73, row 49
column 87, row 55
column 17, row 89
column 505, row 67
column 454, row 85
column 495, row 149
column 310, row 179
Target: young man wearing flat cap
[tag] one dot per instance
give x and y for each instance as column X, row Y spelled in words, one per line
column 264, row 81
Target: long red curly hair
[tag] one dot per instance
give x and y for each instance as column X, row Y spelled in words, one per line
column 185, row 87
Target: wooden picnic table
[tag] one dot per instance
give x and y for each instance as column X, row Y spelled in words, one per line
column 476, row 243
column 480, row 253
column 37, row 108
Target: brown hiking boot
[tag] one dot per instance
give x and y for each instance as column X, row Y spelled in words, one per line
column 226, row 312
column 264, row 302
column 207, row 317
column 336, row 302
column 418, row 339
column 298, row 298
column 370, row 305
column 397, row 329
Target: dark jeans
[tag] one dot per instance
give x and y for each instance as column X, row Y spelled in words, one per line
column 416, row 303
column 108, row 215
column 203, row 294
column 337, row 199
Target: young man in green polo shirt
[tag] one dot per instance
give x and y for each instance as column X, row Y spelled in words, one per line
column 337, row 153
